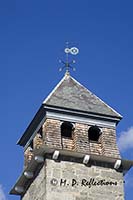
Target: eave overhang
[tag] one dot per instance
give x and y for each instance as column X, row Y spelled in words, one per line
column 86, row 114
column 47, row 152
column 32, row 126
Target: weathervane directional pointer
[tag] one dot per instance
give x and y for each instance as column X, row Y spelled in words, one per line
column 67, row 64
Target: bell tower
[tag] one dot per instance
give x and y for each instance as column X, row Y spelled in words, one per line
column 70, row 148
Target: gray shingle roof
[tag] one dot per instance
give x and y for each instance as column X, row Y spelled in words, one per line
column 72, row 95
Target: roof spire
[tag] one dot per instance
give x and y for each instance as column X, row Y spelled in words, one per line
column 67, row 63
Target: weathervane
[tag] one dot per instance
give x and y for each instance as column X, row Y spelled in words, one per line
column 67, row 64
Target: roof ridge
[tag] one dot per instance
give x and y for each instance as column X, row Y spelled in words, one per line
column 54, row 89
column 96, row 97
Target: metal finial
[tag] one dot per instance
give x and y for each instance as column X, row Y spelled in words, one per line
column 67, row 64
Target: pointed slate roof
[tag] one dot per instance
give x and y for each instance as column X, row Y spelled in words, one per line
column 70, row 94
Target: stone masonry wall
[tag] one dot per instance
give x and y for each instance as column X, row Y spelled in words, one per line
column 79, row 142
column 37, row 189
column 75, row 181
column 81, row 138
column 108, row 141
column 28, row 154
column 52, row 136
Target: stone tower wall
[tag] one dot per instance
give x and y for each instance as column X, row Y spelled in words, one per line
column 75, row 181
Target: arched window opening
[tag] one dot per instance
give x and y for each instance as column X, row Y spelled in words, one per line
column 66, row 129
column 94, row 133
column 31, row 144
column 40, row 132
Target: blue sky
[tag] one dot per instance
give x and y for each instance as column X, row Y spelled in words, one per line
column 32, row 40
